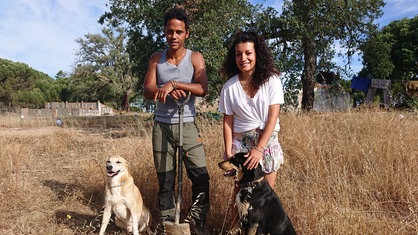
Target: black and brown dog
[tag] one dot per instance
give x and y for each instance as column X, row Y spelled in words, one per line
column 260, row 210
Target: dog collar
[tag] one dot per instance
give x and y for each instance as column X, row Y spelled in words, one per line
column 119, row 185
column 253, row 183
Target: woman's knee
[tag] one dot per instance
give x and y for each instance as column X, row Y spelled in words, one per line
column 271, row 178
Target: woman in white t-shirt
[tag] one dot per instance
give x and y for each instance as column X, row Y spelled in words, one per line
column 250, row 101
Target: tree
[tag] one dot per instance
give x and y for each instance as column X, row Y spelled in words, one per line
column 318, row 24
column 213, row 21
column 377, row 58
column 22, row 86
column 393, row 52
column 306, row 31
column 286, row 51
column 104, row 69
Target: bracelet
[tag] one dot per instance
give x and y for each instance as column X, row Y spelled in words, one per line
column 256, row 148
column 174, row 84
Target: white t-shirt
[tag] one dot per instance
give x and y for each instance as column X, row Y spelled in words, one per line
column 250, row 113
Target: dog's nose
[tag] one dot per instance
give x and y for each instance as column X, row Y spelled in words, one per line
column 109, row 167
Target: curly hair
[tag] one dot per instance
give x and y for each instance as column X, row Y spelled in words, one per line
column 176, row 12
column 264, row 67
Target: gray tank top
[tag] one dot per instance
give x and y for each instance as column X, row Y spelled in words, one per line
column 183, row 72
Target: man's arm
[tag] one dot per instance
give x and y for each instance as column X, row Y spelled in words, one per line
column 200, row 76
column 150, row 81
column 151, row 91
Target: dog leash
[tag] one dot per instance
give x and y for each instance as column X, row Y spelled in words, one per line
column 227, row 208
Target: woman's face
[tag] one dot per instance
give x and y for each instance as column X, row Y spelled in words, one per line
column 245, row 57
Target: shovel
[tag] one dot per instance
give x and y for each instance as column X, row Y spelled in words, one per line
column 176, row 228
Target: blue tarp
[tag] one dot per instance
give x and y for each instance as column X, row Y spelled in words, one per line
column 361, row 84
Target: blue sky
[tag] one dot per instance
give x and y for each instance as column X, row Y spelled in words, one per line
column 42, row 33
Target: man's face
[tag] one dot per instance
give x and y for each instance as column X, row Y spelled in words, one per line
column 175, row 33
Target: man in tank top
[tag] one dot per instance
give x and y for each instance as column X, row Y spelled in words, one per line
column 172, row 73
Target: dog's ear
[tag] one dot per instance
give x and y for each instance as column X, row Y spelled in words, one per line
column 240, row 157
column 127, row 164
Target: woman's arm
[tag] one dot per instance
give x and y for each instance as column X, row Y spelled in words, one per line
column 257, row 152
column 228, row 123
column 273, row 116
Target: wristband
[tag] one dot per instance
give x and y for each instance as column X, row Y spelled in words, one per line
column 256, row 148
column 174, row 84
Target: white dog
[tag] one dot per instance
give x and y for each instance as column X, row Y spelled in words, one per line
column 124, row 199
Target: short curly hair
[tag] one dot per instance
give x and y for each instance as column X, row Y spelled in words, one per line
column 176, row 12
column 264, row 67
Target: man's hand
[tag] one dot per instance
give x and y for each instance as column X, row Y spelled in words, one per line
column 177, row 94
column 162, row 92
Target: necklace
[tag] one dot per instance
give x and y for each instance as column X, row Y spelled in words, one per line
column 245, row 84
column 176, row 60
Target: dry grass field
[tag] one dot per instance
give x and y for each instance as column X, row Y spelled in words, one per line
column 344, row 173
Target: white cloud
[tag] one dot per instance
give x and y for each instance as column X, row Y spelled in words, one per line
column 42, row 33
column 398, row 9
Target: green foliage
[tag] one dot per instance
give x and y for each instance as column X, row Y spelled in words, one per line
column 22, row 86
column 376, row 56
column 393, row 52
column 318, row 24
column 301, row 37
column 401, row 98
column 358, row 97
column 110, row 66
column 104, row 70
column 212, row 22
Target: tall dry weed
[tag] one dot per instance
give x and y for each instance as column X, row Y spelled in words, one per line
column 353, row 172
column 344, row 173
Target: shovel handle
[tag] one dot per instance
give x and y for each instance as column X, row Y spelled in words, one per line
column 180, row 106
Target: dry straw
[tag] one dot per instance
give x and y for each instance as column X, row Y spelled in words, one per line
column 344, row 173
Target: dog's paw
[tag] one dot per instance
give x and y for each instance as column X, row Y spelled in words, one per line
column 235, row 231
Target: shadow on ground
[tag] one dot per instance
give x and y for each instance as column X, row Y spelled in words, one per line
column 78, row 222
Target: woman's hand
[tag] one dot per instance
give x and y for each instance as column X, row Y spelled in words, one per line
column 253, row 158
column 227, row 155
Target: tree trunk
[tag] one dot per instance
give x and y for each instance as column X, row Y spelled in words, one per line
column 308, row 74
column 125, row 102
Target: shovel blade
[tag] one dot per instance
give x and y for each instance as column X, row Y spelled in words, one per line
column 177, row 228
